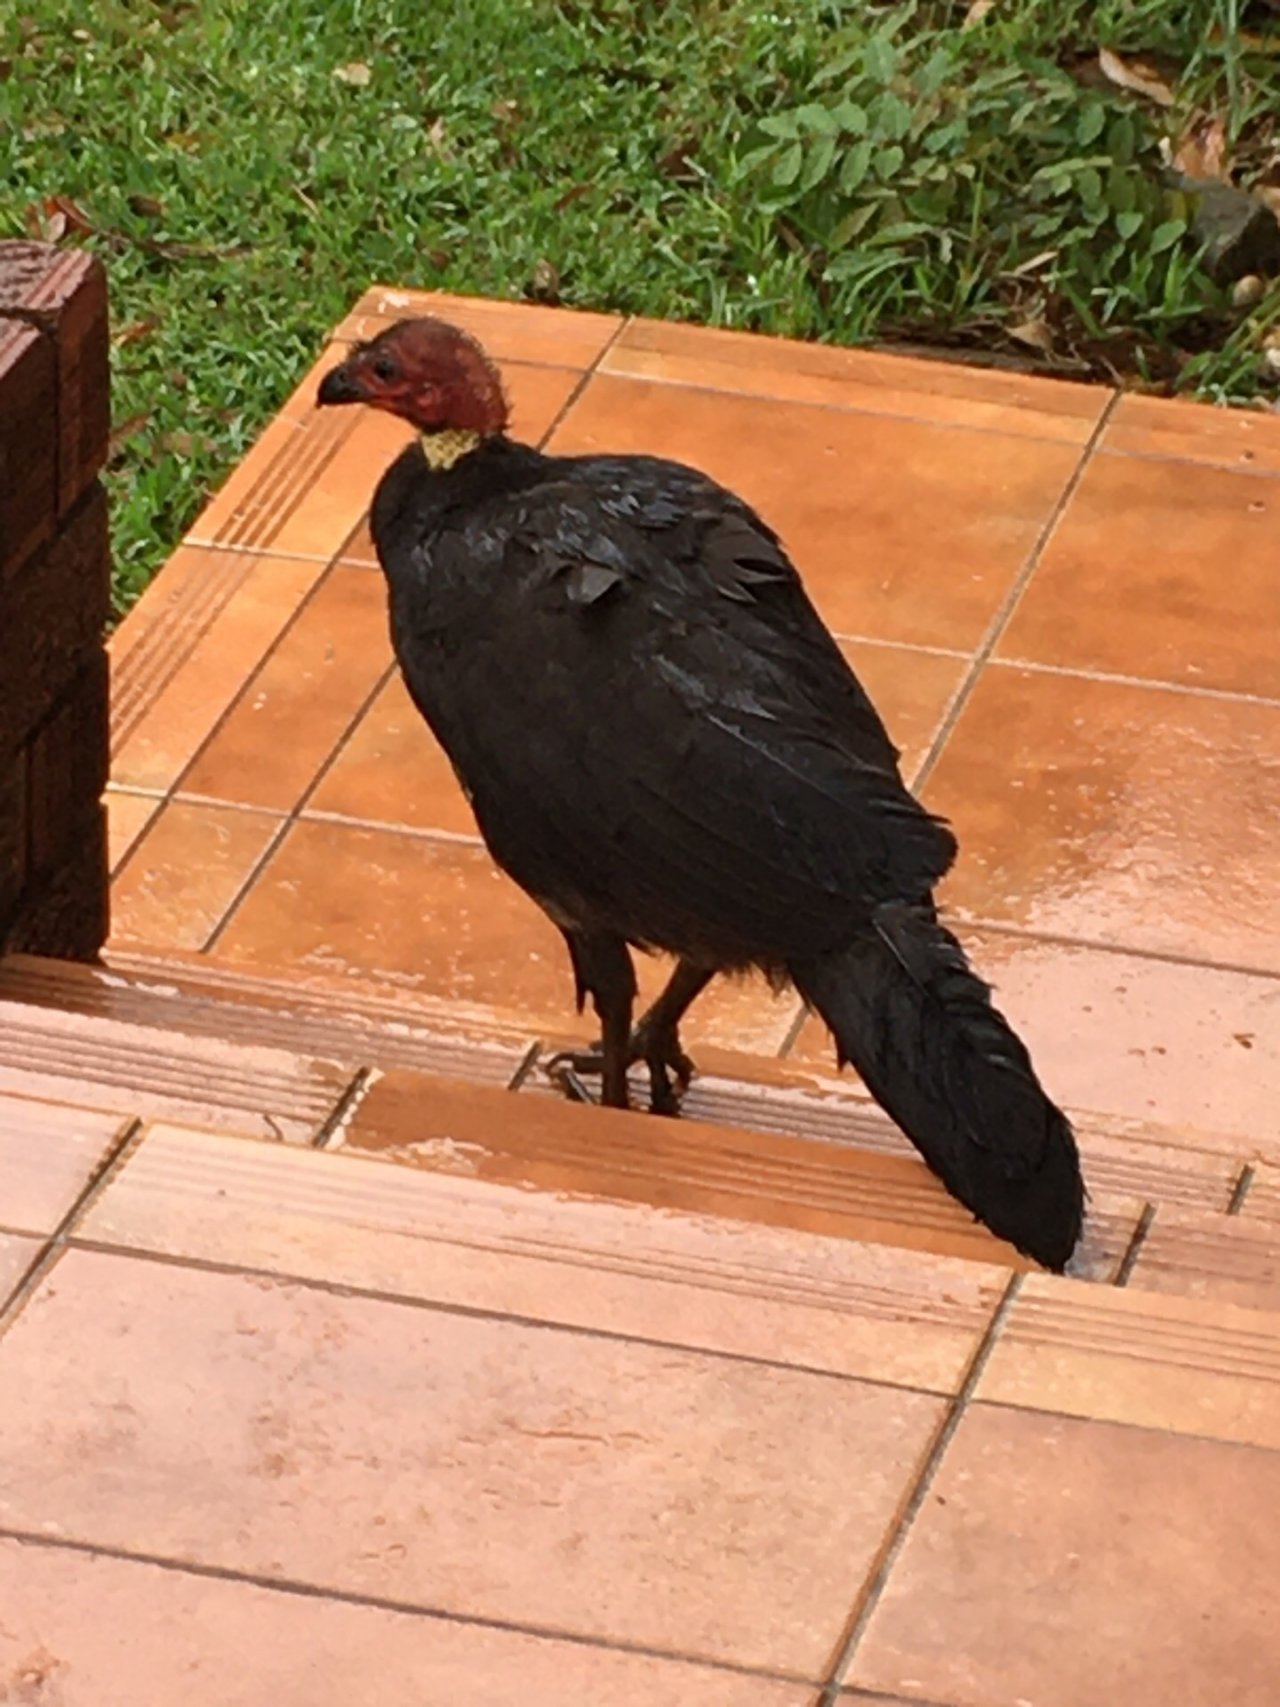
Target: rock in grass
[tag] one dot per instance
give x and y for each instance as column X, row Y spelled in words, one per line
column 1240, row 233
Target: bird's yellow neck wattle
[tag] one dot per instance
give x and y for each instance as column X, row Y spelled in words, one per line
column 442, row 449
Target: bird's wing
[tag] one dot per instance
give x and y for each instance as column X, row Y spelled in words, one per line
column 655, row 724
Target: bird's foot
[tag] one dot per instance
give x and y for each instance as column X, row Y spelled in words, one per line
column 670, row 1069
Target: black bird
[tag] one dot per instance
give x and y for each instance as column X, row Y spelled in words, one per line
column 665, row 748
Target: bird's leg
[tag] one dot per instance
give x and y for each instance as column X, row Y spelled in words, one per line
column 655, row 1041
column 603, row 970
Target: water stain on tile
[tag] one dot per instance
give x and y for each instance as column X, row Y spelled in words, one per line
column 185, row 872
column 1133, row 817
column 1132, row 581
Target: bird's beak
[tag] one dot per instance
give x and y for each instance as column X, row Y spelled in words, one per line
column 340, row 385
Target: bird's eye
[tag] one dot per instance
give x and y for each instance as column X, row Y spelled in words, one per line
column 384, row 367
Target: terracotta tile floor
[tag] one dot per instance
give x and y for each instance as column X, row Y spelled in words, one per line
column 332, row 1373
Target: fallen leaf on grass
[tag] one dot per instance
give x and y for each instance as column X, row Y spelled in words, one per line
column 1136, row 75
column 574, row 193
column 134, row 330
column 1202, row 151
column 124, row 432
column 147, row 207
column 44, row 228
column 357, row 74
column 977, row 12
column 49, row 219
column 1035, row 333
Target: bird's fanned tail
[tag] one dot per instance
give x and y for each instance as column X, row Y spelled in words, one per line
column 915, row 1021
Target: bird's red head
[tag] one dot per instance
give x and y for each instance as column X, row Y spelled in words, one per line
column 430, row 373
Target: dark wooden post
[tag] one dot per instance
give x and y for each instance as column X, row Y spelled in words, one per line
column 55, row 589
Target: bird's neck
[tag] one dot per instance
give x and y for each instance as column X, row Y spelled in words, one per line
column 449, row 445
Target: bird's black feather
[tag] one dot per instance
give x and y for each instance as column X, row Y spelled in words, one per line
column 664, row 746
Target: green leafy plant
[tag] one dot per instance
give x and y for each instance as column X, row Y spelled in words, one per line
column 1009, row 185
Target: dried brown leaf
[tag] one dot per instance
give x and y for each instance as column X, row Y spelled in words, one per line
column 357, row 75
column 977, row 12
column 1202, row 152
column 124, row 432
column 1035, row 333
column 147, row 207
column 574, row 193
column 1137, row 75
column 136, row 329
column 74, row 215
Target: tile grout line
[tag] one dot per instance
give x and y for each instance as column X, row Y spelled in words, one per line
column 56, row 1242
column 869, row 1598
column 1163, row 957
column 330, row 1131
column 1020, row 431
column 526, row 1065
column 467, row 1312
column 1141, row 1232
column 174, row 788
column 1115, row 678
column 290, row 819
column 792, row 1037
column 1009, row 604
column 387, row 1603
column 348, row 1289
column 1241, row 1189
column 588, row 374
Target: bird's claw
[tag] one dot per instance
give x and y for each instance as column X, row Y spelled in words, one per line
column 563, row 1070
column 567, row 1068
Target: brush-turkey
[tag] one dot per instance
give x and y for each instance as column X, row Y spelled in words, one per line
column 666, row 749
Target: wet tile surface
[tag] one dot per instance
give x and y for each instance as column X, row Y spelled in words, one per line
column 1159, row 570
column 65, row 1074
column 1144, row 1566
column 1130, row 816
column 293, row 713
column 392, row 771
column 459, row 1222
column 438, row 918
column 1145, row 1039
column 1244, row 439
column 947, row 393
column 185, row 651
column 83, row 1628
column 1179, row 1364
column 127, row 817
column 478, row 1467
column 17, row 1252
column 185, row 873
column 902, row 530
column 48, row 1154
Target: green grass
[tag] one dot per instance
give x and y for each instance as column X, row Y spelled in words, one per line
column 611, row 153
